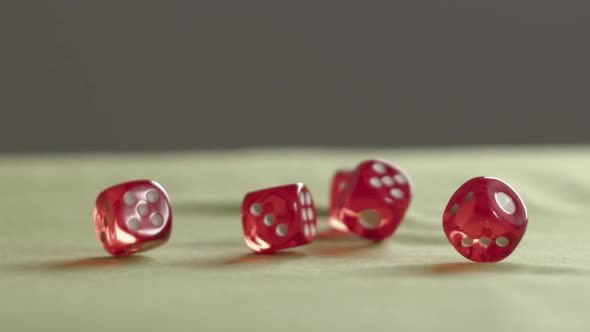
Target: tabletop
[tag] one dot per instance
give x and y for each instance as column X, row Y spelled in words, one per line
column 55, row 276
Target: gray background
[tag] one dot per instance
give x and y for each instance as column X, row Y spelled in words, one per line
column 142, row 75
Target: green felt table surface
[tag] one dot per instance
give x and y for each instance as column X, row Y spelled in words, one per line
column 54, row 276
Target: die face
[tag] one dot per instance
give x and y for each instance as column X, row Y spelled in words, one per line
column 485, row 219
column 307, row 216
column 278, row 218
column 339, row 181
column 133, row 216
column 375, row 200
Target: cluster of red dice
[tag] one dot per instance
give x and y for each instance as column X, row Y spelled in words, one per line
column 484, row 220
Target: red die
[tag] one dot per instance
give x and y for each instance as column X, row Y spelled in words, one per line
column 132, row 216
column 339, row 181
column 375, row 200
column 485, row 219
column 278, row 218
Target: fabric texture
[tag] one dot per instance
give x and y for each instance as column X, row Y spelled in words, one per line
column 54, row 276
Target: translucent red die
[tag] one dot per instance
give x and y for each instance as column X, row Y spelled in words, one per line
column 485, row 219
column 339, row 181
column 279, row 218
column 132, row 216
column 375, row 200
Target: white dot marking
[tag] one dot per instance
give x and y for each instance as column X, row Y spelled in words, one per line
column 152, row 196
column 306, row 230
column 379, row 168
column 129, row 198
column 375, row 182
column 133, row 224
column 387, row 180
column 157, row 220
column 142, row 209
column 400, row 178
column 269, row 219
column 397, row 194
column 282, row 230
column 467, row 242
column 310, row 214
column 369, row 218
column 502, row 241
column 302, row 198
column 256, row 209
column 304, row 214
column 505, row 202
column 484, row 241
column 308, row 198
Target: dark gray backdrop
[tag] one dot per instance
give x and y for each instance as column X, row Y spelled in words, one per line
column 94, row 75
